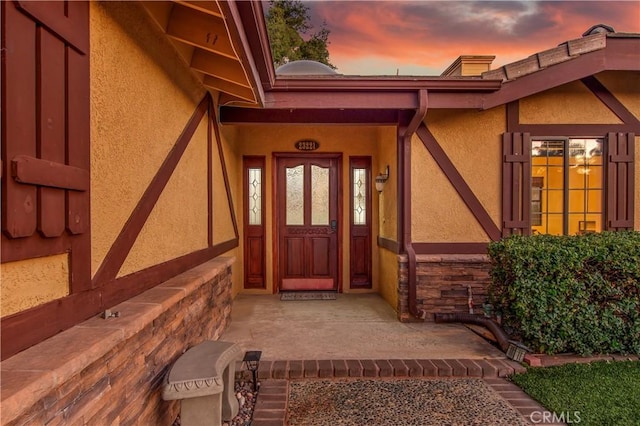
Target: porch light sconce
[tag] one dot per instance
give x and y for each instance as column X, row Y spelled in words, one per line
column 252, row 361
column 381, row 179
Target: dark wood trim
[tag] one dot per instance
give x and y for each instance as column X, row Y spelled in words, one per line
column 124, row 242
column 33, row 246
column 254, row 259
column 458, row 182
column 124, row 288
column 238, row 115
column 210, row 118
column 360, row 259
column 351, row 100
column 389, row 244
column 34, row 171
column 225, row 176
column 70, row 27
column 451, row 248
column 576, row 130
column 407, row 84
column 513, row 116
column 619, row 54
column 252, row 16
column 237, row 34
column 26, row 328
column 609, row 99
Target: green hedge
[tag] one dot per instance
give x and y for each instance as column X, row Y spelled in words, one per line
column 570, row 293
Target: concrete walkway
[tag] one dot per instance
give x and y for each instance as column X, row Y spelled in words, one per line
column 354, row 326
column 358, row 337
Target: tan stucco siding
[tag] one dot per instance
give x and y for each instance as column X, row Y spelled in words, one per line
column 625, row 86
column 388, row 287
column 571, row 103
column 142, row 96
column 472, row 141
column 177, row 224
column 388, row 199
column 349, row 140
column 32, row 282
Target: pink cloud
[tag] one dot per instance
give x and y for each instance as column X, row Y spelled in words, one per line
column 386, row 35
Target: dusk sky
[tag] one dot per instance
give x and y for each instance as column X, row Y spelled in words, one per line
column 424, row 37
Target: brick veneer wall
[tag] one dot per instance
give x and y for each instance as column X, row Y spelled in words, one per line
column 110, row 371
column 443, row 282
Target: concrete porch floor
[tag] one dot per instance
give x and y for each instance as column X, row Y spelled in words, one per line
column 355, row 326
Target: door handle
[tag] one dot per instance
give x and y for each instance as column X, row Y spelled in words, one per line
column 334, row 225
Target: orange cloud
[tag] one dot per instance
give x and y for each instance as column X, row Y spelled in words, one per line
column 379, row 37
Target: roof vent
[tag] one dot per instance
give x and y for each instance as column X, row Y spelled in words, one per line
column 305, row 67
column 600, row 28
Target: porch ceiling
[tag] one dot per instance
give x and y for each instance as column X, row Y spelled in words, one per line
column 206, row 35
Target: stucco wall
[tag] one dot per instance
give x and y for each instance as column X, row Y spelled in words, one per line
column 142, row 96
column 571, row 103
column 388, row 199
column 29, row 283
column 388, row 277
column 350, row 140
column 472, row 141
column 625, row 86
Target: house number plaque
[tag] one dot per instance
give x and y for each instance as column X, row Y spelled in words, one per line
column 307, row 145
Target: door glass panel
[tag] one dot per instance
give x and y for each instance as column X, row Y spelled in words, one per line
column 295, row 195
column 359, row 196
column 255, row 196
column 319, row 195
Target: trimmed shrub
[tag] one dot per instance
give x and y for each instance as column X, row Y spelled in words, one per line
column 570, row 293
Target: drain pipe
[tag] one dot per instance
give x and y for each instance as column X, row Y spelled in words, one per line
column 406, row 136
column 500, row 335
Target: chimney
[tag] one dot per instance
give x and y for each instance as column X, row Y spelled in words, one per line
column 469, row 66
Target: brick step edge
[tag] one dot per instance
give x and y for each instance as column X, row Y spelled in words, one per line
column 436, row 368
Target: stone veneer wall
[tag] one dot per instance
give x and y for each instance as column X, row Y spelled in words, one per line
column 110, row 371
column 442, row 284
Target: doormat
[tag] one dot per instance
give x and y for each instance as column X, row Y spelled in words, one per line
column 308, row 295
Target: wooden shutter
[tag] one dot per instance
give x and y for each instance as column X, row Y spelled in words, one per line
column 516, row 184
column 620, row 179
column 45, row 140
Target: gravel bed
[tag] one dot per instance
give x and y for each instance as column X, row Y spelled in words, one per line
column 246, row 400
column 398, row 402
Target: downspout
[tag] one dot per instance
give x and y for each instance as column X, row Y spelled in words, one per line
column 415, row 122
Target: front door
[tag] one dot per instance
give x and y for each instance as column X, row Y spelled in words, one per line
column 307, row 214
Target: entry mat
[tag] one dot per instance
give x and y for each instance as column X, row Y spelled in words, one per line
column 307, row 295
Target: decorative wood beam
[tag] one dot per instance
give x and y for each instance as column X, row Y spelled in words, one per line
column 458, row 182
column 251, row 17
column 620, row 53
column 344, row 100
column 233, row 89
column 120, row 249
column 237, row 33
column 200, row 30
column 219, row 66
column 577, row 130
column 607, row 98
column 209, row 7
column 236, row 115
column 409, row 84
column 451, row 248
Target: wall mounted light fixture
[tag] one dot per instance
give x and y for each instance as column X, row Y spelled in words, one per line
column 381, row 179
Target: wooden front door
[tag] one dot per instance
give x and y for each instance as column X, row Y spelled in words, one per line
column 307, row 221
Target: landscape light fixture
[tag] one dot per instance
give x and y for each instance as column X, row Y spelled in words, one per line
column 252, row 361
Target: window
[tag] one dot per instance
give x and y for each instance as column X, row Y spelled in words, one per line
column 566, row 186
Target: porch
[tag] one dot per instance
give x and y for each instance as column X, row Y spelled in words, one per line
column 354, row 326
